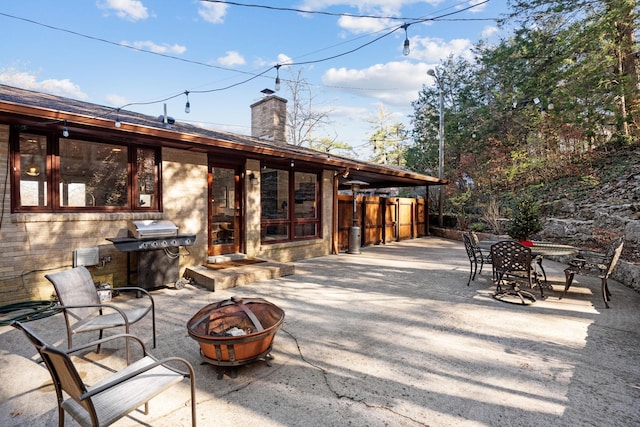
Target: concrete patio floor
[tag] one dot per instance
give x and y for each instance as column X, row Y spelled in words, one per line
column 389, row 337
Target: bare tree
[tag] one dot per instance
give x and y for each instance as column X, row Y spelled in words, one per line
column 302, row 119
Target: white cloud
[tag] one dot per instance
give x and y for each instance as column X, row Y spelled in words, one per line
column 481, row 5
column 27, row 80
column 363, row 25
column 284, row 59
column 433, row 49
column 489, row 31
column 213, row 12
column 132, row 10
column 116, row 100
column 157, row 48
column 231, row 59
column 395, row 83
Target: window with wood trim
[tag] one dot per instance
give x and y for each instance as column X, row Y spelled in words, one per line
column 55, row 174
column 290, row 205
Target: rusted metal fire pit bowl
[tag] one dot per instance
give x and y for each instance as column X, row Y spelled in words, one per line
column 236, row 331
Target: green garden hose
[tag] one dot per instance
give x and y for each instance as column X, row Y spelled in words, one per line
column 27, row 311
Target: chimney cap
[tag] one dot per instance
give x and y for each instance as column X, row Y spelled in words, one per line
column 268, row 91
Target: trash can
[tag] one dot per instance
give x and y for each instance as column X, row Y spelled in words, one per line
column 354, row 240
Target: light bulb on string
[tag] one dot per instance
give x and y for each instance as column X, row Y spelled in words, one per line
column 187, row 106
column 406, row 49
column 277, row 86
column 117, row 123
column 65, row 130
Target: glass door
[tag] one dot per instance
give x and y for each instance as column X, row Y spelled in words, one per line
column 224, row 211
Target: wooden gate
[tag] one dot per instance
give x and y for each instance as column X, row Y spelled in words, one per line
column 381, row 219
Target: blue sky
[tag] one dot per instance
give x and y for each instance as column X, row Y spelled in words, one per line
column 93, row 51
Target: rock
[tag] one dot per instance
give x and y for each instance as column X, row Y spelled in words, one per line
column 632, row 232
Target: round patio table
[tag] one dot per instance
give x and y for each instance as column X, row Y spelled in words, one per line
column 538, row 250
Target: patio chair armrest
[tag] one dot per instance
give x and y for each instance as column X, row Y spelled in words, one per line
column 120, row 380
column 100, row 306
column 109, row 338
column 140, row 290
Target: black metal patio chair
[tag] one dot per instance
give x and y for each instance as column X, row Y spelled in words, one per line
column 512, row 265
column 596, row 265
column 476, row 255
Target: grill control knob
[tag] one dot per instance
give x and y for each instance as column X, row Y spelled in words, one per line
column 164, row 243
column 154, row 244
column 143, row 245
column 174, row 242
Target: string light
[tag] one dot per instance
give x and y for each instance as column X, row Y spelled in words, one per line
column 277, row 87
column 406, row 49
column 187, row 106
column 117, row 123
column 65, row 130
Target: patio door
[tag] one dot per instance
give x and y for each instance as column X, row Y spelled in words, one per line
column 225, row 213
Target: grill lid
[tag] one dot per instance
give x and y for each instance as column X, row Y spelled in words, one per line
column 143, row 229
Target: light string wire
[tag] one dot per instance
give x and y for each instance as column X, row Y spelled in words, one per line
column 277, row 66
column 117, row 110
column 335, row 14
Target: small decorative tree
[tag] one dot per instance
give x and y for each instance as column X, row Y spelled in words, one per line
column 525, row 218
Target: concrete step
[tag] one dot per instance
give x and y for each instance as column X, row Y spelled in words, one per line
column 216, row 259
column 237, row 276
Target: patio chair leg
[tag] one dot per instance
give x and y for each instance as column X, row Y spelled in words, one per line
column 60, row 416
column 568, row 276
column 539, row 262
column 606, row 296
column 470, row 271
column 99, row 338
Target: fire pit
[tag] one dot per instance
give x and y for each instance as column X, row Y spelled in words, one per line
column 236, row 331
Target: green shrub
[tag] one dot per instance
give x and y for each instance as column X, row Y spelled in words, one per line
column 477, row 227
column 525, row 219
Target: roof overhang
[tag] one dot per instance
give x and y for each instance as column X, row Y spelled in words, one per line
column 35, row 109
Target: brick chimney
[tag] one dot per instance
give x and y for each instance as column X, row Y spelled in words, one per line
column 269, row 117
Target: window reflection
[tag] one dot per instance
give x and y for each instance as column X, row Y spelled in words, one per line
column 289, row 209
column 92, row 174
column 33, row 177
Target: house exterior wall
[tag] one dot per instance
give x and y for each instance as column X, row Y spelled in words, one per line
column 33, row 245
column 291, row 251
column 184, row 198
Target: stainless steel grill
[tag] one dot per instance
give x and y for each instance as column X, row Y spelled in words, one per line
column 146, row 229
column 156, row 244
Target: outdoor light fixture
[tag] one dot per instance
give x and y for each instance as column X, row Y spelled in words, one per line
column 33, row 171
column 406, row 49
column 293, row 163
column 253, row 179
column 65, row 130
column 117, row 123
column 187, row 106
column 277, row 87
column 345, row 174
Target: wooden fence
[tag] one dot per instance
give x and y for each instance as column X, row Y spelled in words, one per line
column 381, row 219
